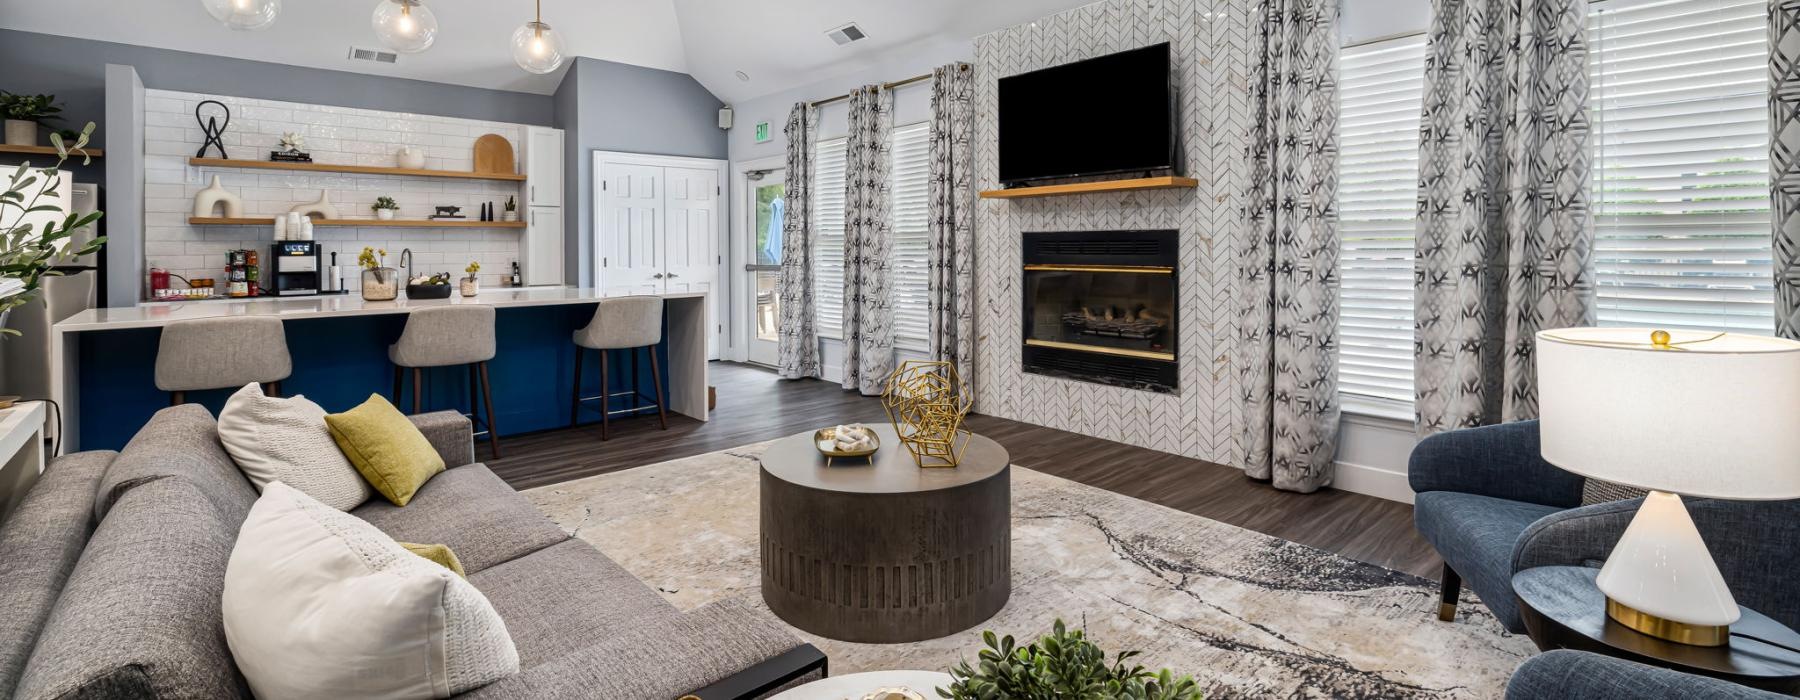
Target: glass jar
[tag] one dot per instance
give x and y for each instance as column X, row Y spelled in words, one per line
column 380, row 284
column 470, row 286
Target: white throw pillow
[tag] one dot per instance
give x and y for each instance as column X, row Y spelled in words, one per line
column 286, row 440
column 320, row 604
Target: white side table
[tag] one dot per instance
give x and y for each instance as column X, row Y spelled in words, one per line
column 855, row 685
column 21, row 452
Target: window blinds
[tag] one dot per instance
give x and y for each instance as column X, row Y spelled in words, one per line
column 1679, row 107
column 828, row 237
column 911, row 254
column 1381, row 92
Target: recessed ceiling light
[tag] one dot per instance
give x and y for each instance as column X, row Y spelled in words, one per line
column 743, row 76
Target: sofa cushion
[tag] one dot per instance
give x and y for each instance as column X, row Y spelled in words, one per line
column 1475, row 535
column 180, row 441
column 566, row 597
column 39, row 545
column 285, row 440
column 472, row 512
column 140, row 615
column 386, row 448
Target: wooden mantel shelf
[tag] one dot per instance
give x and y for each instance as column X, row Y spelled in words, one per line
column 348, row 223
column 1167, row 182
column 50, row 150
column 352, row 169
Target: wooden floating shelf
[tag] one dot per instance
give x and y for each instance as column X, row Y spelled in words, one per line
column 1167, row 182
column 357, row 223
column 50, row 150
column 352, row 169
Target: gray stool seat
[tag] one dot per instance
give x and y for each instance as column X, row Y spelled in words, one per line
column 222, row 353
column 620, row 323
column 446, row 336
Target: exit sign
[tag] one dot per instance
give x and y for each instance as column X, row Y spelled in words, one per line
column 762, row 132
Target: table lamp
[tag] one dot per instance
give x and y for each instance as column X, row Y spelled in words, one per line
column 1705, row 414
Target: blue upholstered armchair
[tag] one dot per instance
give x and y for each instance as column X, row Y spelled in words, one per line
column 1577, row 674
column 1492, row 506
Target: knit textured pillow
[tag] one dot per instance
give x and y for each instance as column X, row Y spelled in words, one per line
column 286, row 440
column 320, row 604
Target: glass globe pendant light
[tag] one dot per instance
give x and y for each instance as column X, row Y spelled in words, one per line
column 536, row 47
column 244, row 15
column 406, row 26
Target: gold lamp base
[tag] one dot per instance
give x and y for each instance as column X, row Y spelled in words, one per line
column 1665, row 628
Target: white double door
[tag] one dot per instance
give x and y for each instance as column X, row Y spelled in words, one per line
column 659, row 227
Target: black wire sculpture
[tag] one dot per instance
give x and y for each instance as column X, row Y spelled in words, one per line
column 212, row 128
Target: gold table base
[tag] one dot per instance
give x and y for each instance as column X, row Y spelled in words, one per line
column 1664, row 628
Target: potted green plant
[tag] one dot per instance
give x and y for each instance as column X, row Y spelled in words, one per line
column 379, row 282
column 470, row 285
column 23, row 112
column 512, row 211
column 385, row 207
column 33, row 233
column 1062, row 664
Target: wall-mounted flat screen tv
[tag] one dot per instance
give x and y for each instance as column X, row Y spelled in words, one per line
column 1110, row 114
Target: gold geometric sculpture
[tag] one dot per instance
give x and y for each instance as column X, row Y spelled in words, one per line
column 926, row 402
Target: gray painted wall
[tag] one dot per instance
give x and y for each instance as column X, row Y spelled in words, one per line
column 607, row 106
column 123, row 94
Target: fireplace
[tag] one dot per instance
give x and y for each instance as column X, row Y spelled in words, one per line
column 1100, row 307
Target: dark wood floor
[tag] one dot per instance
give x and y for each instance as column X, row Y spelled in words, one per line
column 755, row 406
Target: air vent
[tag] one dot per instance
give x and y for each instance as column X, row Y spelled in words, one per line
column 358, row 53
column 846, row 34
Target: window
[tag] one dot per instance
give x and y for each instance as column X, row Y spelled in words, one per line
column 1381, row 92
column 911, row 255
column 828, row 237
column 1679, row 108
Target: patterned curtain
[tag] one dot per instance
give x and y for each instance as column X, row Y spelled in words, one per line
column 798, row 346
column 1288, row 264
column 951, row 210
column 1503, row 247
column 1784, row 160
column 868, row 312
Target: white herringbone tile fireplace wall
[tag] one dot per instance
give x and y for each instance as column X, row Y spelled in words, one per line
column 1210, row 42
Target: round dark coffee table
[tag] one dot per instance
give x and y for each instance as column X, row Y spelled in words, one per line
column 880, row 550
column 1563, row 609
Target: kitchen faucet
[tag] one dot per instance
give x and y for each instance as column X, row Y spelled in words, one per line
column 406, row 260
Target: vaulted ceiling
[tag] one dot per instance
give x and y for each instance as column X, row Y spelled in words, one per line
column 776, row 44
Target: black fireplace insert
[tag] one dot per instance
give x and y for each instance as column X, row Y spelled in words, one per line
column 1100, row 306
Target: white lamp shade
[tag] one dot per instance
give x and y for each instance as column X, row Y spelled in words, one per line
column 1713, row 415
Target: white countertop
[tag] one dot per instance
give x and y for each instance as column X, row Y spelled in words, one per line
column 154, row 314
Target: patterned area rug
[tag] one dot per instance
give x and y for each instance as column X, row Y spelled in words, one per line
column 1246, row 614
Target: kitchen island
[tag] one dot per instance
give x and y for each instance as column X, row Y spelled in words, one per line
column 103, row 360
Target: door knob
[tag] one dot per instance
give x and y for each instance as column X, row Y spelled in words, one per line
column 673, row 275
column 658, row 276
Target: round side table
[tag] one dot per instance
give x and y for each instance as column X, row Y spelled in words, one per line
column 880, row 550
column 1564, row 609
column 856, row 685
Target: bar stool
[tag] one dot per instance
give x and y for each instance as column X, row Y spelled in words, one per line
column 444, row 336
column 621, row 323
column 222, row 353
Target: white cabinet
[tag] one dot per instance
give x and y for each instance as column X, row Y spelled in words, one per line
column 543, row 246
column 543, row 167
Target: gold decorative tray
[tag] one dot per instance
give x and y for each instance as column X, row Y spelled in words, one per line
column 826, row 438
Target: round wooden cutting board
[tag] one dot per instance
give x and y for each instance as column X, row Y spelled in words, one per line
column 493, row 154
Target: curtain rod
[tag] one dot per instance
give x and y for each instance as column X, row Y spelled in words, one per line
column 884, row 86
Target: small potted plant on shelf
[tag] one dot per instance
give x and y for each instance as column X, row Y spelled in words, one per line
column 379, row 282
column 31, row 246
column 429, row 286
column 1062, row 664
column 471, row 285
column 512, row 210
column 23, row 112
column 385, row 207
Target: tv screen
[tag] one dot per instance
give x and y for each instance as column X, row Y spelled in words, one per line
column 1109, row 114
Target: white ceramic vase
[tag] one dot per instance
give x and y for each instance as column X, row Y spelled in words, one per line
column 410, row 157
column 384, row 214
column 469, row 286
column 215, row 195
column 21, row 132
column 323, row 207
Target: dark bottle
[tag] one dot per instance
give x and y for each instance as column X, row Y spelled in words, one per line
column 515, row 274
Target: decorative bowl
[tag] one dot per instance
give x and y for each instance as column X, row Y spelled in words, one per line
column 826, row 439
column 428, row 291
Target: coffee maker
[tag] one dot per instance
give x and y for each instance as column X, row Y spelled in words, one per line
column 294, row 269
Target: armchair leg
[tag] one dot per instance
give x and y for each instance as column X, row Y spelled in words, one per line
column 1449, row 588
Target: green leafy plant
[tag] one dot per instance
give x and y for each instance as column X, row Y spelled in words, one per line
column 27, row 254
column 1062, row 665
column 510, row 205
column 474, row 267
column 385, row 202
column 31, row 108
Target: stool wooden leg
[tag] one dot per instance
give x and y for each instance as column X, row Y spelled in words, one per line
column 177, row 398
column 575, row 393
column 418, row 388
column 487, row 397
column 272, row 389
column 399, row 381
column 662, row 413
column 605, row 397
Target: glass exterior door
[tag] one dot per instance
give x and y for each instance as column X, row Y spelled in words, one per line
column 766, row 207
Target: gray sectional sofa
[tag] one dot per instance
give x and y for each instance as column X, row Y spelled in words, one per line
column 112, row 568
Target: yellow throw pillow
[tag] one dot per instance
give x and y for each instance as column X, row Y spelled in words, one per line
column 437, row 554
column 386, row 448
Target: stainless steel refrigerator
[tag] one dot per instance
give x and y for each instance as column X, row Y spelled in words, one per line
column 25, row 359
